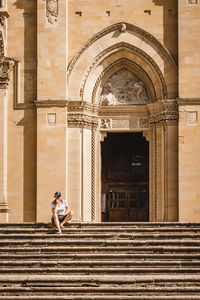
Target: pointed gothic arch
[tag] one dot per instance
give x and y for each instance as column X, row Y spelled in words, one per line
column 112, row 44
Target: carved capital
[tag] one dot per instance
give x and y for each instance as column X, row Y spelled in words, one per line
column 6, row 66
column 165, row 111
column 3, row 16
column 82, row 121
column 52, row 10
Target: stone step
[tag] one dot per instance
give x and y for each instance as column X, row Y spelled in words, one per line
column 100, row 270
column 100, row 261
column 104, row 224
column 100, row 242
column 96, row 236
column 103, row 249
column 133, row 291
column 100, row 264
column 102, row 297
column 91, row 256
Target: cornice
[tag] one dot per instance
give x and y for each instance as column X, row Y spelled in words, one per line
column 188, row 101
column 51, row 103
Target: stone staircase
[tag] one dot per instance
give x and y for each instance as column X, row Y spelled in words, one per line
column 102, row 261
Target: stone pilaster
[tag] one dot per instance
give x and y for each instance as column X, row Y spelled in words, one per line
column 6, row 66
column 82, row 124
column 164, row 150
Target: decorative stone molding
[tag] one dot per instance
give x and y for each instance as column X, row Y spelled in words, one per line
column 125, row 61
column 82, row 115
column 145, row 35
column 188, row 101
column 81, row 121
column 143, row 123
column 155, row 172
column 165, row 111
column 2, row 50
column 51, row 103
column 93, row 173
column 6, row 67
column 4, row 208
column 52, row 10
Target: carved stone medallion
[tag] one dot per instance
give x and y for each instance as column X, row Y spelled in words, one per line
column 124, row 87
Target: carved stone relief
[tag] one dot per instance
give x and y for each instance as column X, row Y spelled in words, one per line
column 105, row 123
column 144, row 123
column 6, row 66
column 51, row 119
column 124, row 87
column 192, row 2
column 52, row 10
column 192, row 117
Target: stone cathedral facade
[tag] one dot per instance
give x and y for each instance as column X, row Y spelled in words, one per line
column 101, row 101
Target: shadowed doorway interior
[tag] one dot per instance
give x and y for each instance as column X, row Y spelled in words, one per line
column 125, row 178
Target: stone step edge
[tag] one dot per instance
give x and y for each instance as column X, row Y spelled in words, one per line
column 155, row 278
column 153, row 256
column 112, row 241
column 113, row 297
column 101, row 289
column 97, row 262
column 101, row 270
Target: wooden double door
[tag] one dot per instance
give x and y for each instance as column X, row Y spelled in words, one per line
column 130, row 205
column 125, row 178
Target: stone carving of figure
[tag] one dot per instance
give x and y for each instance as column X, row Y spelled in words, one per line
column 124, row 87
column 137, row 92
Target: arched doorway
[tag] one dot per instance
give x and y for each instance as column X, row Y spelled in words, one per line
column 125, row 178
column 127, row 84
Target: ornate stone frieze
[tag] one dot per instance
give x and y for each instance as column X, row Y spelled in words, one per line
column 165, row 111
column 77, row 120
column 6, row 66
column 52, row 10
column 124, row 87
column 143, row 123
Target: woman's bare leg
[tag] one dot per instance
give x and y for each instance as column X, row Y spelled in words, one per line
column 67, row 218
column 57, row 223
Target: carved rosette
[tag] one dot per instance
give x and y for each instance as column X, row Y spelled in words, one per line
column 52, row 10
column 6, row 66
